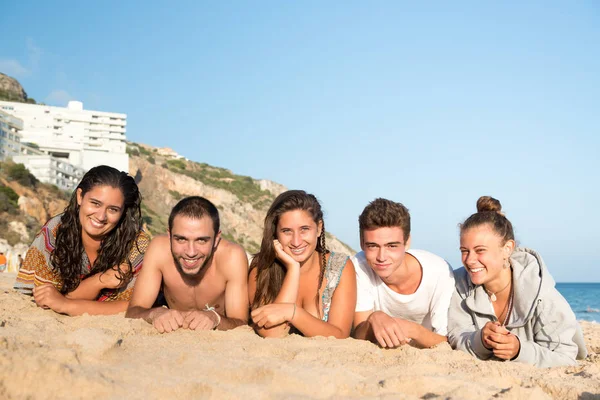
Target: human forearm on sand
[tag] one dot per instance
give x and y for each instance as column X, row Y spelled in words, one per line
column 288, row 294
column 311, row 326
column 147, row 314
column 88, row 289
column 421, row 336
column 364, row 331
column 92, row 307
column 230, row 323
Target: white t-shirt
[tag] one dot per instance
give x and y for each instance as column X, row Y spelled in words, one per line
column 427, row 306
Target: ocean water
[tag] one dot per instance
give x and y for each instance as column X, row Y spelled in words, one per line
column 584, row 299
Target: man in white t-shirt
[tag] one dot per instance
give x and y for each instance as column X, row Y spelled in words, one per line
column 402, row 295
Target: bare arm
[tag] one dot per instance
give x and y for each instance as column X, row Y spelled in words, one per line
column 92, row 307
column 421, row 336
column 46, row 296
column 367, row 322
column 287, row 296
column 362, row 327
column 236, row 290
column 90, row 287
column 148, row 283
column 381, row 328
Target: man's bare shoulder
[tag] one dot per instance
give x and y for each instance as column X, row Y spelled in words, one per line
column 231, row 256
column 160, row 242
column 230, row 249
column 159, row 250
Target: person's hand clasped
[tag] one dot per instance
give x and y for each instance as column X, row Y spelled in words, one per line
column 497, row 338
column 272, row 315
column 387, row 330
column 48, row 297
column 286, row 259
column 166, row 320
column 200, row 320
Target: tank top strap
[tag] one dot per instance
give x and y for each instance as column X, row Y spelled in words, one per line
column 333, row 273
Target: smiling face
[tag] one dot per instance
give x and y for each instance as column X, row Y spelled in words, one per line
column 484, row 255
column 298, row 234
column 193, row 242
column 385, row 250
column 100, row 210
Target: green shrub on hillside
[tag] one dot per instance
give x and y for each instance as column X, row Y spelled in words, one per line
column 151, row 160
column 7, row 95
column 243, row 187
column 156, row 224
column 8, row 198
column 21, row 174
column 178, row 164
column 175, row 194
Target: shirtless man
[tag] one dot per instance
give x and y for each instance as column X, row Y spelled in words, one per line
column 203, row 277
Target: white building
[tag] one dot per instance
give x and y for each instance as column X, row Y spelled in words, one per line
column 48, row 169
column 84, row 138
column 10, row 135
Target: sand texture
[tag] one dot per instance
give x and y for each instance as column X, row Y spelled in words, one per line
column 44, row 355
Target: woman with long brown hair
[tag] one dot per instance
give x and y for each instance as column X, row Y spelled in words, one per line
column 294, row 280
column 85, row 260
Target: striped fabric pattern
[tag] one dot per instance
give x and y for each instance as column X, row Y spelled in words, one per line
column 37, row 267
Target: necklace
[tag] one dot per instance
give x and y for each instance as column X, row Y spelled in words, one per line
column 492, row 295
column 509, row 306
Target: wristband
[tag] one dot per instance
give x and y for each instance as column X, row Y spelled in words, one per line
column 207, row 308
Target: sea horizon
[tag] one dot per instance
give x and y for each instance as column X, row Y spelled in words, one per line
column 584, row 299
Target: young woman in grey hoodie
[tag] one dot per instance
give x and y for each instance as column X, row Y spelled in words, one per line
column 505, row 306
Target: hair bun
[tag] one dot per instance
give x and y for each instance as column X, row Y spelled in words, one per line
column 489, row 204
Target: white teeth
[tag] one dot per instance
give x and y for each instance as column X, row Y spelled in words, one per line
column 96, row 223
column 298, row 251
column 476, row 269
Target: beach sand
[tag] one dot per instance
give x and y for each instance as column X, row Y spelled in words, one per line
column 44, row 355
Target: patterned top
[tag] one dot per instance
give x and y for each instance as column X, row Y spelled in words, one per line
column 37, row 268
column 333, row 273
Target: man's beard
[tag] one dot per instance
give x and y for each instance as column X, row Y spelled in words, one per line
column 183, row 273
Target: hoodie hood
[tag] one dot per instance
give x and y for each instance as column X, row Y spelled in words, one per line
column 531, row 281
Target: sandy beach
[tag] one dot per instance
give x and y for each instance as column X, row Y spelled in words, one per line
column 44, row 355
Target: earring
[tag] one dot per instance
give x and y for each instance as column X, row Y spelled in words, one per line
column 506, row 263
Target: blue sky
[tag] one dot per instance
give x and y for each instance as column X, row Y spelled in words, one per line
column 430, row 105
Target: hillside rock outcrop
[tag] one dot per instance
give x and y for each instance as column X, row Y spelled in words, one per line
column 11, row 89
column 241, row 220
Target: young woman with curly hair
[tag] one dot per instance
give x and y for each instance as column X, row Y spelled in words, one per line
column 85, row 260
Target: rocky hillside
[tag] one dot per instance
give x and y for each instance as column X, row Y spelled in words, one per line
column 242, row 201
column 11, row 90
column 163, row 180
column 25, row 205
